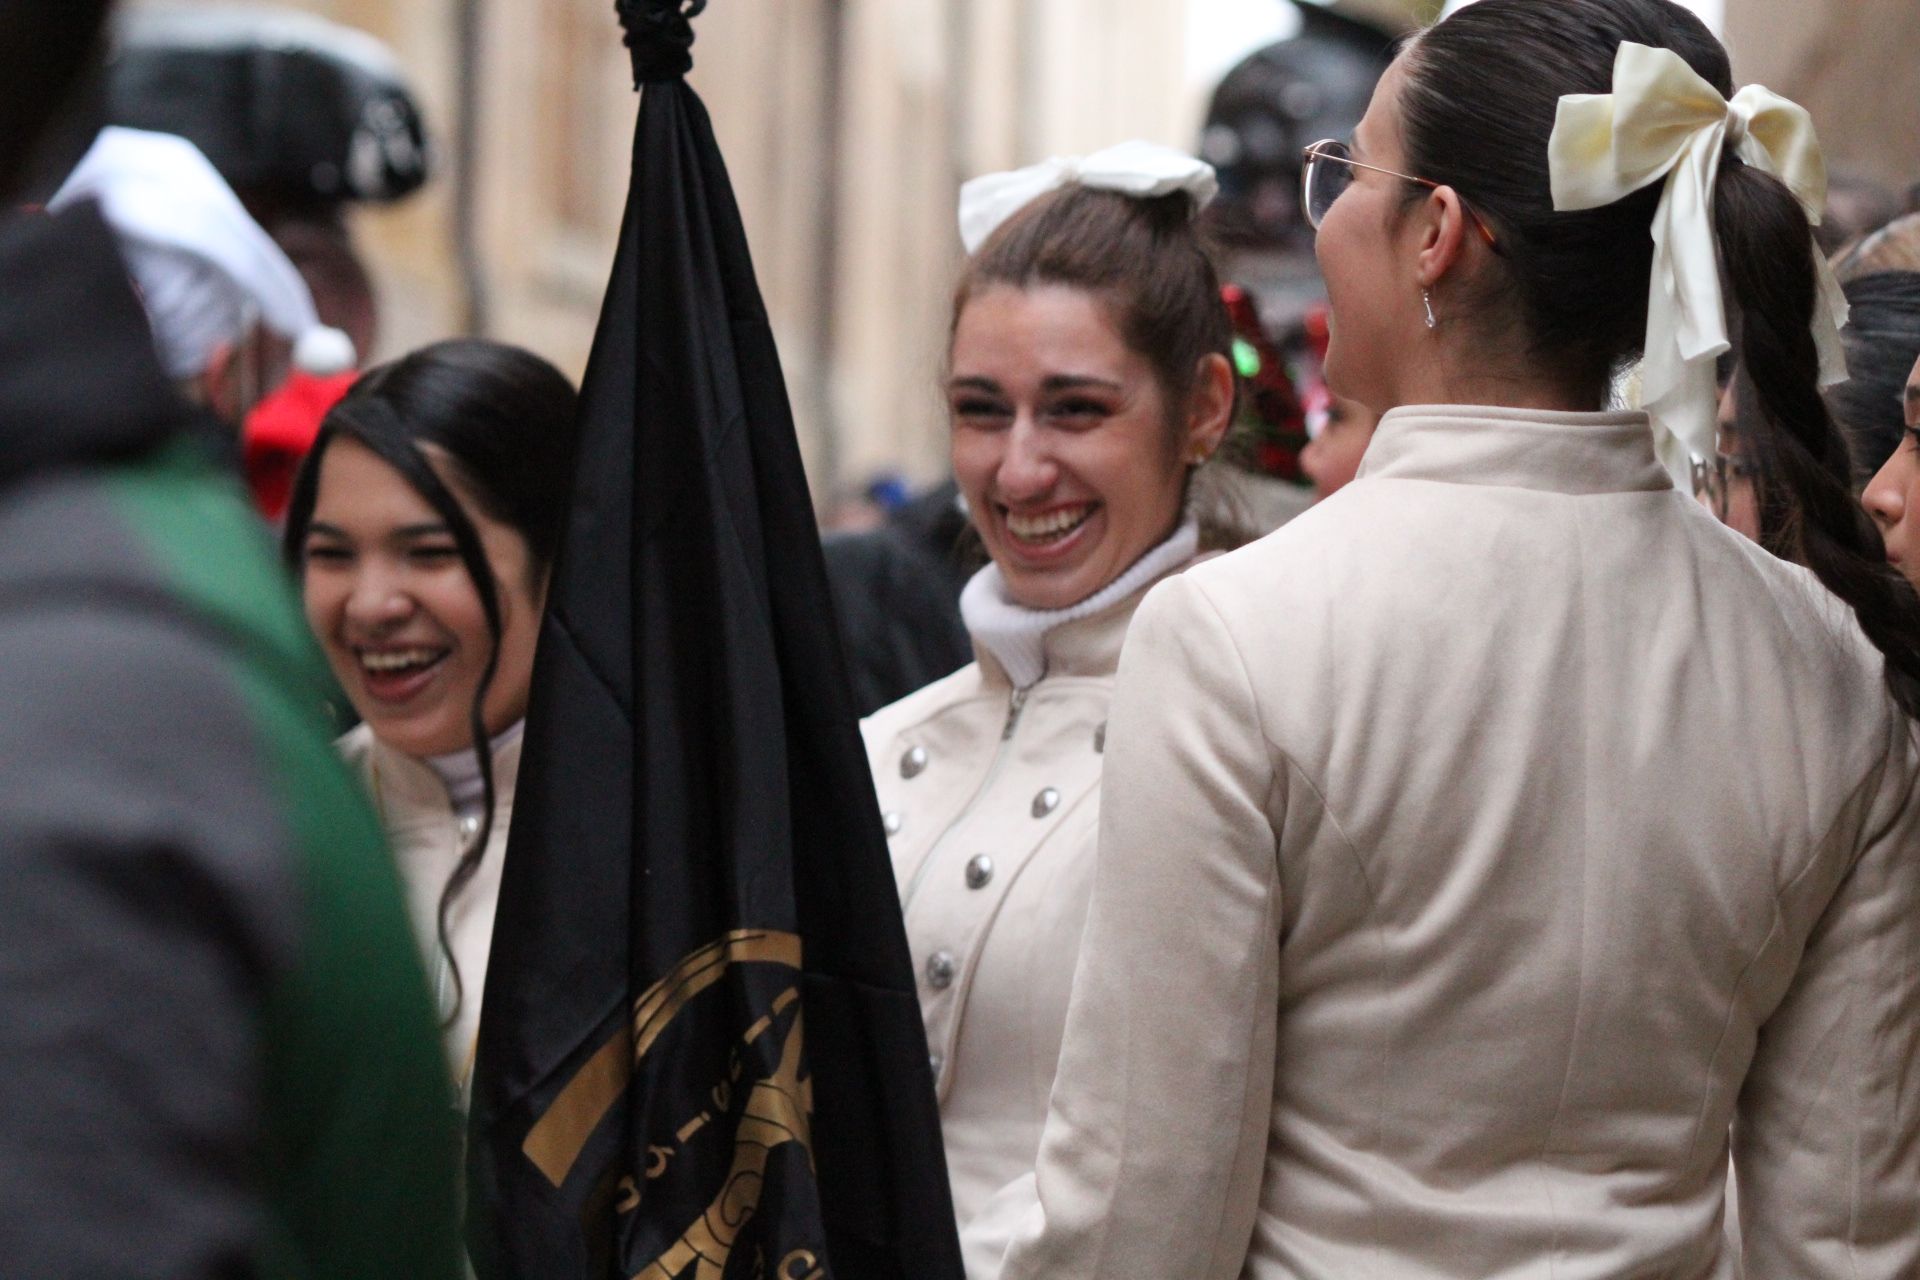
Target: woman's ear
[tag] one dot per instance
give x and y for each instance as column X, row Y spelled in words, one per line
column 1443, row 235
column 1209, row 408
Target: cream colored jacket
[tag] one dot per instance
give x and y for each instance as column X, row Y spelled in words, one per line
column 427, row 839
column 991, row 800
column 1483, row 854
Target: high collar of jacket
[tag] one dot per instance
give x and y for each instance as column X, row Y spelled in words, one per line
column 79, row 381
column 406, row 787
column 1082, row 641
column 1571, row 453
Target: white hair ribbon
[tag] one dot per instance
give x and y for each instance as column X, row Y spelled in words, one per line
column 1141, row 169
column 1663, row 120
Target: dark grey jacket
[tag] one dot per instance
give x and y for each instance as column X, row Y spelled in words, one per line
column 216, row 1047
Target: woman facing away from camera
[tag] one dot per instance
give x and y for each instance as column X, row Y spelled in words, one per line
column 423, row 526
column 1498, row 848
column 1088, row 379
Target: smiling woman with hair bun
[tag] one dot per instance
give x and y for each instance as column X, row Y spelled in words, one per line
column 423, row 527
column 1087, row 380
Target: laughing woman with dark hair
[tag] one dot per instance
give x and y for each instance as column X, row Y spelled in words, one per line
column 423, row 527
column 1503, row 846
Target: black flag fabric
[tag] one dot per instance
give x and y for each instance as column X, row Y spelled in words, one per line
column 701, row 1055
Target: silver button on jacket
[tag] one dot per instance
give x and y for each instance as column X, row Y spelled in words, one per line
column 979, row 871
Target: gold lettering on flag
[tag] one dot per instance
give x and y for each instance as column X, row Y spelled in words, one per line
column 556, row 1140
column 777, row 1113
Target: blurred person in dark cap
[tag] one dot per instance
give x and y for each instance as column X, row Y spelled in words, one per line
column 1277, row 101
column 306, row 119
column 217, row 1044
column 1291, row 432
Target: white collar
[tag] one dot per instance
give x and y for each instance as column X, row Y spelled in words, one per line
column 1016, row 636
column 460, row 771
column 1552, row 451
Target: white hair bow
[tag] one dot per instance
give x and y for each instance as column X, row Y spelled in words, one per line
column 1135, row 168
column 1663, row 120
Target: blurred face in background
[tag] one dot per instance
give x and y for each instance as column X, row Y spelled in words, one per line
column 1333, row 455
column 1072, row 462
column 394, row 608
column 1725, row 483
column 241, row 374
column 1892, row 497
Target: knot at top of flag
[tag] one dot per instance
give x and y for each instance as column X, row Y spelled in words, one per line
column 659, row 36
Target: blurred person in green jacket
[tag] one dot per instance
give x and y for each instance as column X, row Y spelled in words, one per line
column 218, row 1049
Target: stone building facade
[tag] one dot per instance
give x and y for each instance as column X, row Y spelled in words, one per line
column 848, row 126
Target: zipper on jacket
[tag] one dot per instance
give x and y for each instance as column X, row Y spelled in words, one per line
column 1015, row 705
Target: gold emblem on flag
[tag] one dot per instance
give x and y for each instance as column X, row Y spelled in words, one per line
column 777, row 1110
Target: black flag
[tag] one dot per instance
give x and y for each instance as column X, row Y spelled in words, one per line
column 700, row 1052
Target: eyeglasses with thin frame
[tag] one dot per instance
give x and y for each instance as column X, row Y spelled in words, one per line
column 1714, row 479
column 1328, row 171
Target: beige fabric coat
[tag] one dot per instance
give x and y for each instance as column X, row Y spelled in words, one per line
column 1478, row 852
column 427, row 839
column 991, row 802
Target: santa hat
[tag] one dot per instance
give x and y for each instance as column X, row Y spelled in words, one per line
column 205, row 269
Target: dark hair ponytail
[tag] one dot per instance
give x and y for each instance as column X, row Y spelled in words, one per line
column 1807, row 505
column 504, row 420
column 1479, row 103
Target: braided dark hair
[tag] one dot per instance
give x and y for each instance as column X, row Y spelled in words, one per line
column 1480, row 100
column 1809, row 511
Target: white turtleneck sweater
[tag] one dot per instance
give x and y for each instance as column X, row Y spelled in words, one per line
column 1016, row 635
column 460, row 771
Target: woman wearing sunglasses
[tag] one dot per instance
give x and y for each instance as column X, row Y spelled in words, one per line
column 1499, row 849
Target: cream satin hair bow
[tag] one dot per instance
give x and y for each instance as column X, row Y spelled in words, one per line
column 1663, row 121
column 1141, row 169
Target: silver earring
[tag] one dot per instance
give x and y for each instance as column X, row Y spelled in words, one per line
column 1427, row 300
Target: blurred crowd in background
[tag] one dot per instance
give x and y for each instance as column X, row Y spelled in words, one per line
column 397, row 176
column 852, row 123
